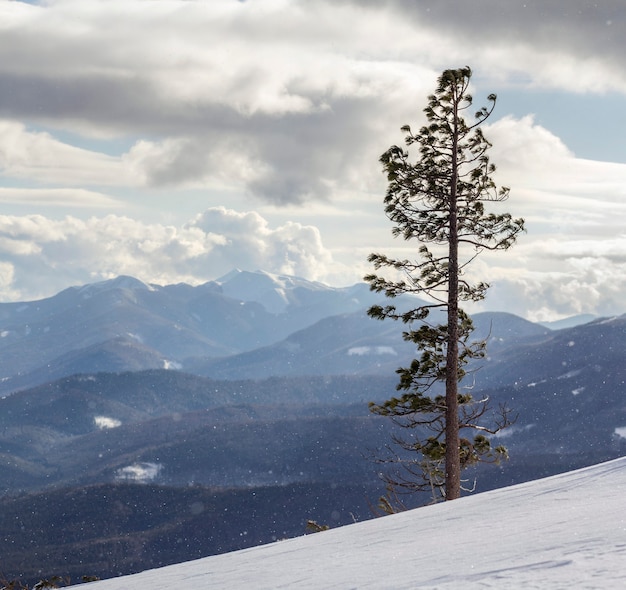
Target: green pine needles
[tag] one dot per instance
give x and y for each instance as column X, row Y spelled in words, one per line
column 439, row 200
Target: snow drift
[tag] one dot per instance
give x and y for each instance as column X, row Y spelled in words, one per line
column 566, row 531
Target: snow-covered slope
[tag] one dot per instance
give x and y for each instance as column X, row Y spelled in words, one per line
column 566, row 531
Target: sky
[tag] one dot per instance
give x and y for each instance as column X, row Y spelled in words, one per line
column 562, row 532
column 175, row 140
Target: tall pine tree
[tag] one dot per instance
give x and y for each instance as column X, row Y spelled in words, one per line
column 439, row 201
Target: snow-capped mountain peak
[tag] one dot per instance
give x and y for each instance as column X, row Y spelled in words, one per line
column 122, row 282
column 275, row 292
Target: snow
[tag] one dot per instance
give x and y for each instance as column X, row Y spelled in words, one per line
column 563, row 532
column 609, row 320
column 171, row 365
column 138, row 472
column 371, row 350
column 121, row 282
column 104, row 422
column 570, row 374
column 272, row 291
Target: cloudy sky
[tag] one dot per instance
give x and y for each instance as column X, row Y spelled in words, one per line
column 173, row 140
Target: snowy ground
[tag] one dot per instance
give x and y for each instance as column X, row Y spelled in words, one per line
column 566, row 531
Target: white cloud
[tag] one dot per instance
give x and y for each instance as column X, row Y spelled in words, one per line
column 572, row 206
column 580, row 285
column 57, row 197
column 575, row 46
column 292, row 248
column 287, row 102
column 573, row 257
column 282, row 99
column 285, row 99
column 533, row 158
column 41, row 255
column 38, row 156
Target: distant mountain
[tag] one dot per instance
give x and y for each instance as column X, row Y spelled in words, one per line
column 346, row 344
column 283, row 293
column 124, row 324
column 597, row 347
column 245, row 325
column 354, row 344
column 114, row 355
column 90, row 428
column 503, row 330
column 568, row 390
column 570, row 322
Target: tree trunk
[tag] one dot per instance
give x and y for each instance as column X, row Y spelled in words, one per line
column 453, row 459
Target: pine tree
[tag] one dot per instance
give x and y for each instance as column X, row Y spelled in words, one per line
column 439, row 201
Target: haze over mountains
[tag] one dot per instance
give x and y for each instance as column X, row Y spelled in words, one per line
column 254, row 386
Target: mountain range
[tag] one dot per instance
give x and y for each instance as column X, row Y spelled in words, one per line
column 124, row 324
column 247, row 325
column 253, row 385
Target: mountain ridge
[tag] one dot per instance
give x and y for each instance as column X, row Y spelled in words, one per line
column 172, row 323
